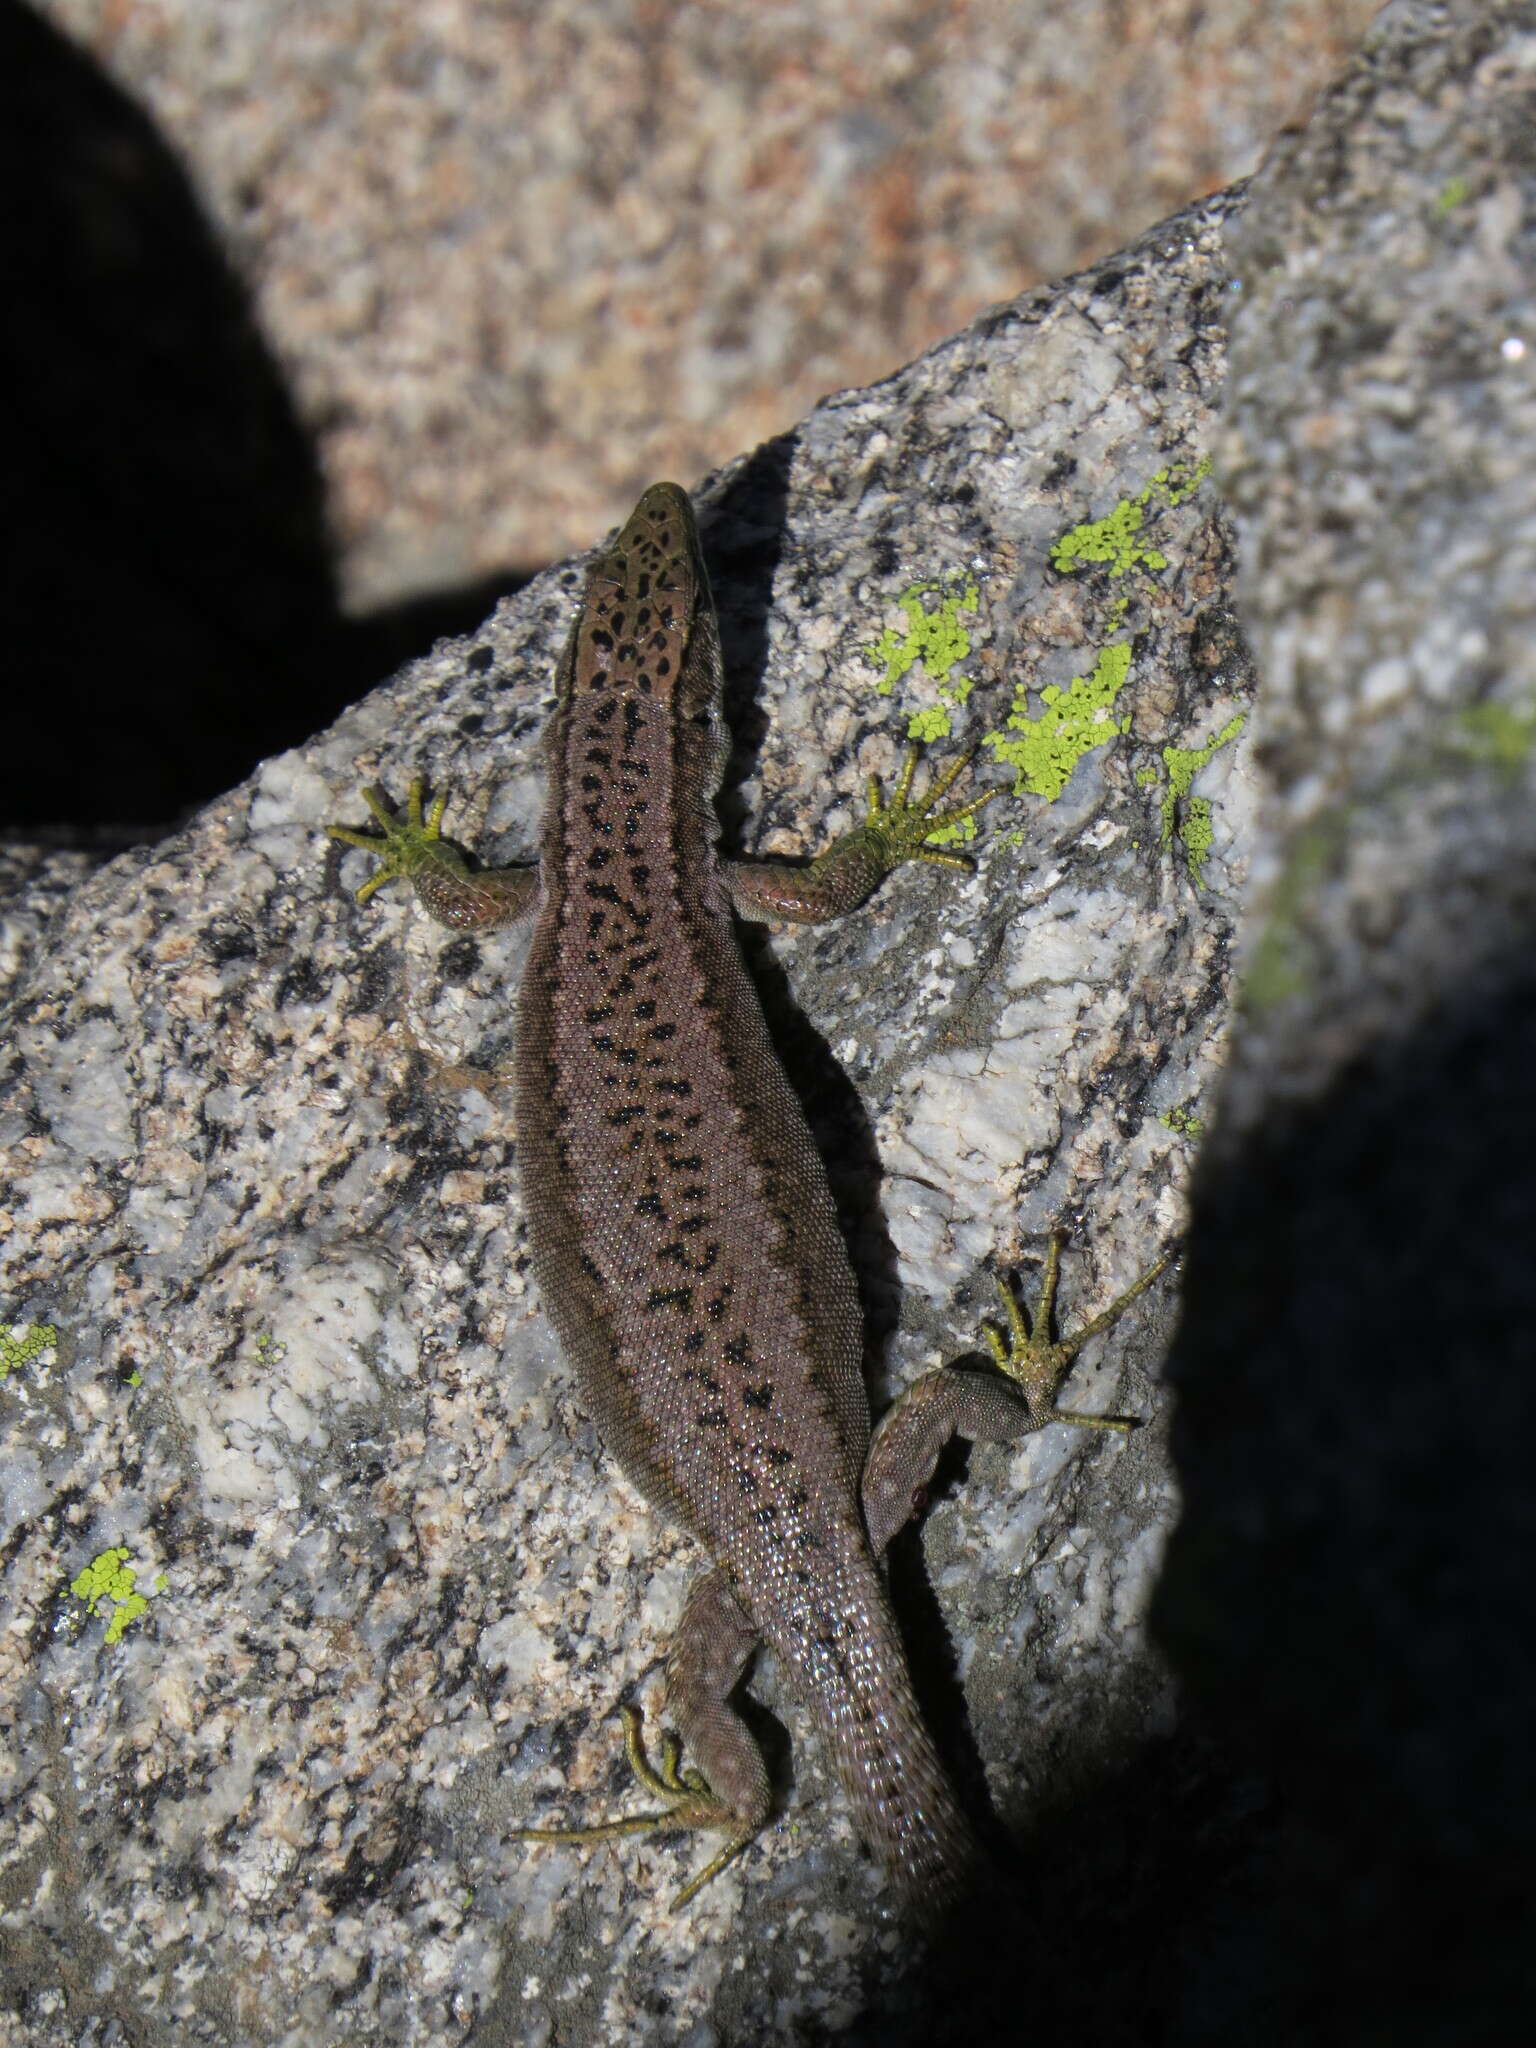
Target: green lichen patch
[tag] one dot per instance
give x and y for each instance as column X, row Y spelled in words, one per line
column 1188, row 818
column 936, row 641
column 1116, row 540
column 934, row 635
column 925, row 726
column 1504, row 735
column 1183, row 1121
column 109, row 1581
column 1041, row 745
column 20, row 1343
column 1044, row 749
column 1197, row 836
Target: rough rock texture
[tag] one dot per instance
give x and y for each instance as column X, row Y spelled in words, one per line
column 35, row 883
column 518, row 261
column 337, row 319
column 1349, row 1592
column 263, row 1189
column 365, row 1593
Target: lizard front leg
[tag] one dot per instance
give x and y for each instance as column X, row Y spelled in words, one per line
column 411, row 848
column 894, row 832
column 994, row 1407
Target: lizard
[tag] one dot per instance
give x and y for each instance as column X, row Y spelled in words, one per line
column 681, row 1227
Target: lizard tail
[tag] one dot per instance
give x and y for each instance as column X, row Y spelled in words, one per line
column 854, row 1672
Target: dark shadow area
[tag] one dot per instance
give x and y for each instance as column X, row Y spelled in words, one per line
column 1349, row 1593
column 1122, row 1916
column 1336, row 1845
column 743, row 543
column 168, row 598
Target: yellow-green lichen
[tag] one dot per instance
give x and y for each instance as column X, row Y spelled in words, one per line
column 1045, row 747
column 1453, row 193
column 1189, row 817
column 1501, row 734
column 932, row 724
column 934, row 637
column 1042, row 747
column 269, row 1350
column 1180, row 480
column 110, row 1580
column 1182, row 1122
column 1116, row 538
column 1044, row 750
column 935, row 640
column 20, row 1343
column 1197, row 836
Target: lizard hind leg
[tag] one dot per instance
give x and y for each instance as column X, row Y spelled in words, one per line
column 984, row 1407
column 713, row 1645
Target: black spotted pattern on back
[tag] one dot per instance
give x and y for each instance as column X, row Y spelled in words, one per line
column 681, row 1226
column 710, row 1260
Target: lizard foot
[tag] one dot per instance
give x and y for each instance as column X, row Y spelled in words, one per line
column 1036, row 1363
column 687, row 1802
column 903, row 828
column 403, row 845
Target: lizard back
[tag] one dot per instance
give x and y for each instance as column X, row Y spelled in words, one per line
column 682, row 1229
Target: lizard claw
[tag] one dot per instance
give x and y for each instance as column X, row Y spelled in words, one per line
column 1035, row 1362
column 904, row 828
column 402, row 845
column 687, row 1802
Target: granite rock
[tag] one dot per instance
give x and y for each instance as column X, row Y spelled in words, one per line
column 1348, row 1591
column 355, row 1593
column 319, row 1585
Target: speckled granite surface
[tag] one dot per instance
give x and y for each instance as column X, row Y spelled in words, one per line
column 264, row 1188
column 364, row 1592
column 517, row 262
column 1350, row 1591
